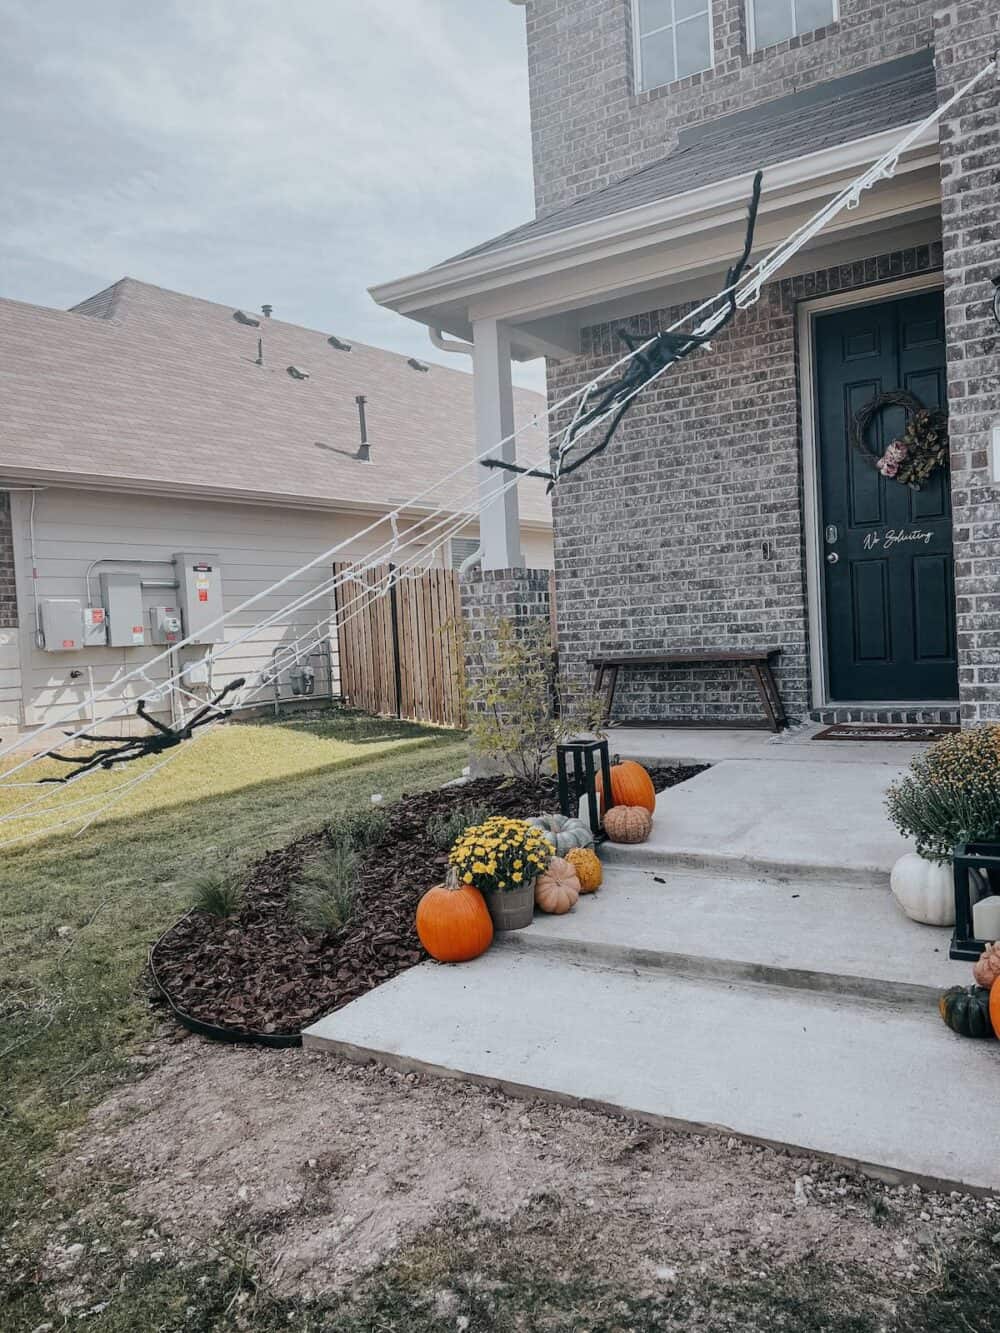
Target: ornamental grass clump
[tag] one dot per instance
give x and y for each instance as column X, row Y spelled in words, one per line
column 500, row 854
column 951, row 794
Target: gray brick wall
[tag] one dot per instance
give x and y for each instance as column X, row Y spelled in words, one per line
column 970, row 188
column 8, row 589
column 687, row 531
column 590, row 127
column 518, row 595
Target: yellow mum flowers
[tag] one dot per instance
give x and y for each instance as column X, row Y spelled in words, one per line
column 500, row 853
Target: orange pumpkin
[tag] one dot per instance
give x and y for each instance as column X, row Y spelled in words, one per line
column 453, row 922
column 630, row 785
column 995, row 1006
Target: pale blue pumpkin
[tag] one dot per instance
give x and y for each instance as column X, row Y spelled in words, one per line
column 564, row 832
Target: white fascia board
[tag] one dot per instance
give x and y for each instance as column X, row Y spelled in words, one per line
column 41, row 478
column 468, row 277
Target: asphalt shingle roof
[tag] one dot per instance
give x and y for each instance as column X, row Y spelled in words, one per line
column 880, row 98
column 142, row 384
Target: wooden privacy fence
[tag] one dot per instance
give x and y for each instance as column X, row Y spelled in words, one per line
column 399, row 653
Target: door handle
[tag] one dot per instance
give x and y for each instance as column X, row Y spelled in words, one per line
column 832, row 558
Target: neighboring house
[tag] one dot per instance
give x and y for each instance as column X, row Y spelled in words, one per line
column 731, row 510
column 145, row 423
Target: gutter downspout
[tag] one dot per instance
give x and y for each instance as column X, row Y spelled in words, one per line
column 444, row 344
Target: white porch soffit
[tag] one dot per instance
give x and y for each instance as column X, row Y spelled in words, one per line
column 566, row 269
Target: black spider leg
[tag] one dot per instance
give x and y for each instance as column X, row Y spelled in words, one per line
column 138, row 747
column 681, row 344
column 99, row 759
column 665, row 351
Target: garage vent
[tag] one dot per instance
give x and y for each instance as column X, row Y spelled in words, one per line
column 461, row 549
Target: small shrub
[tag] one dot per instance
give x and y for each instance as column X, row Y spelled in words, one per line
column 362, row 830
column 444, row 829
column 219, row 895
column 323, row 897
column 516, row 714
column 951, row 793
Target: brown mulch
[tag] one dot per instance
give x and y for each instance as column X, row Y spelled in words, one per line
column 259, row 973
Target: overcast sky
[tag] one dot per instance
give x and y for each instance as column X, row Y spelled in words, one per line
column 246, row 151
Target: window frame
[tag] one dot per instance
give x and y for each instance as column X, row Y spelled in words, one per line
column 640, row 85
column 751, row 26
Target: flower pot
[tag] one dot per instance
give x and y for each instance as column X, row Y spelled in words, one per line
column 511, row 909
column 925, row 890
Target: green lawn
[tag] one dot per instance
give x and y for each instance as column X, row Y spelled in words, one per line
column 78, row 913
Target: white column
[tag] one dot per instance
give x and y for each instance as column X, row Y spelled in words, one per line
column 499, row 519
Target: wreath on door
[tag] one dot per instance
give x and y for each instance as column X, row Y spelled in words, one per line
column 922, row 448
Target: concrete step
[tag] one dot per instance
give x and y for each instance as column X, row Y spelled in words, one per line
column 808, row 820
column 889, row 1090
column 807, row 935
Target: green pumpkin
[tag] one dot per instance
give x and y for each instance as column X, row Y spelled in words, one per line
column 966, row 1010
column 564, row 832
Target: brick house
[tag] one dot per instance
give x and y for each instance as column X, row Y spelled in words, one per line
column 731, row 509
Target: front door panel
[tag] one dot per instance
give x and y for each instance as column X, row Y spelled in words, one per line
column 889, row 590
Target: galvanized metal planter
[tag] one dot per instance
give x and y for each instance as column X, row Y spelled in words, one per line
column 511, row 909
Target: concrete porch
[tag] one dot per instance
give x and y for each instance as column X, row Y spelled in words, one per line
column 746, row 970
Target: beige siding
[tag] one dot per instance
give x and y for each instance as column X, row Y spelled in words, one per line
column 256, row 546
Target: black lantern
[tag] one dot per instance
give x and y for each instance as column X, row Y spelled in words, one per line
column 977, row 878
column 576, row 764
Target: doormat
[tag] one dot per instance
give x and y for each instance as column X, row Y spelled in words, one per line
column 885, row 731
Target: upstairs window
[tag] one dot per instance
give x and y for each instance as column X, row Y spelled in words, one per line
column 773, row 21
column 673, row 38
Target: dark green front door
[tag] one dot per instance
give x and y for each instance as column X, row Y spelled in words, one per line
column 886, row 549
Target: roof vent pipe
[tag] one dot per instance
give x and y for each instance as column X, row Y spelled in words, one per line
column 364, row 453
column 444, row 344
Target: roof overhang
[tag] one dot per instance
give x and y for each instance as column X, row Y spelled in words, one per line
column 547, row 287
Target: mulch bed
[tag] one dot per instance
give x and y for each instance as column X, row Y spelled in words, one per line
column 259, row 974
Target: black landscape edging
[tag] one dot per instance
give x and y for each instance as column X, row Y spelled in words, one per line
column 215, row 1031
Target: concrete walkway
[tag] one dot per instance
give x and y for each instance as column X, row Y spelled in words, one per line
column 805, row 819
column 885, row 1088
column 746, row 969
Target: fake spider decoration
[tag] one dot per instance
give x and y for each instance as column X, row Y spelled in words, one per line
column 618, row 395
column 122, row 750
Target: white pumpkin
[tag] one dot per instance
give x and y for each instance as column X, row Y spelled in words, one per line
column 925, row 890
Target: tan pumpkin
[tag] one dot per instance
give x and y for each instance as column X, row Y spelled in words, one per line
column 558, row 889
column 453, row 922
column 628, row 823
column 986, row 969
column 587, row 867
column 630, row 785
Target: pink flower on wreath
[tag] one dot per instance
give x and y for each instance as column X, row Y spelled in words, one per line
column 890, row 461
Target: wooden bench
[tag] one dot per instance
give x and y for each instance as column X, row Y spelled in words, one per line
column 756, row 661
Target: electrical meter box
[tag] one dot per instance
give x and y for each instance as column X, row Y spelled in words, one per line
column 200, row 595
column 164, row 624
column 121, row 595
column 62, row 624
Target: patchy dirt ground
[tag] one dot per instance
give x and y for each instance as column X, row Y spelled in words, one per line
column 335, row 1169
